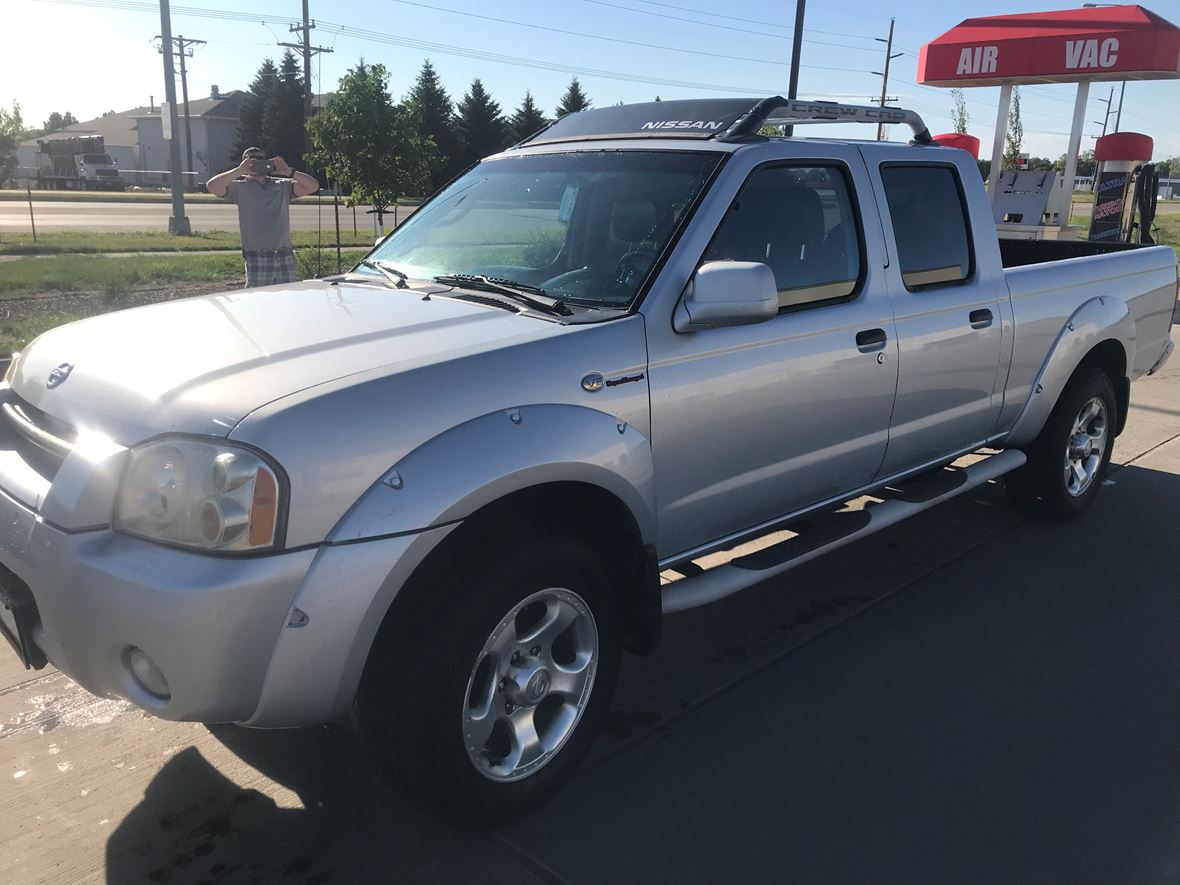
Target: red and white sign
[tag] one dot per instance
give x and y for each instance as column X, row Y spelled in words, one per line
column 1067, row 46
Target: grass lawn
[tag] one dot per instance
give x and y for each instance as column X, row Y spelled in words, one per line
column 61, row 241
column 1166, row 228
column 77, row 286
column 111, row 274
column 147, row 196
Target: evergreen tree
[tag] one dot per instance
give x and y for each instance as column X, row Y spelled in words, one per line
column 526, row 119
column 257, row 117
column 959, row 116
column 1014, row 138
column 573, row 100
column 432, row 106
column 481, row 126
column 286, row 116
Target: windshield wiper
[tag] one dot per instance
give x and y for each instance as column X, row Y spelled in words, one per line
column 392, row 274
column 531, row 297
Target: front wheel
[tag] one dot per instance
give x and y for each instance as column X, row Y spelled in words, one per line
column 488, row 688
column 1068, row 461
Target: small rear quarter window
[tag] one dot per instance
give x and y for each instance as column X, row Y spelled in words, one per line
column 930, row 225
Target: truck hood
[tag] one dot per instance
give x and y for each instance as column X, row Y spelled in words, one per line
column 202, row 364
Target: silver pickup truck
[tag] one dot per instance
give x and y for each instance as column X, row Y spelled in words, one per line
column 625, row 368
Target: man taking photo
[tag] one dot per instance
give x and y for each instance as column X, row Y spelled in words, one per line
column 263, row 190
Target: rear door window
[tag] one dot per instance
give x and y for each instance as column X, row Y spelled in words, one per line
column 800, row 221
column 930, row 225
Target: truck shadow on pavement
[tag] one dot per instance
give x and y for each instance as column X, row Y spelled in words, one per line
column 332, row 822
column 958, row 713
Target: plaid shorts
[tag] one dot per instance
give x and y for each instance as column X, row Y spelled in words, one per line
column 267, row 267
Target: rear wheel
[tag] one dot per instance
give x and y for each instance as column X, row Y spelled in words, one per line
column 488, row 688
column 1068, row 461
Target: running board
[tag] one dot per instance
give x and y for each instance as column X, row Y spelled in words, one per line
column 718, row 575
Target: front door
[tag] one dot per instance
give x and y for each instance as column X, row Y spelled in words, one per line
column 752, row 422
column 949, row 314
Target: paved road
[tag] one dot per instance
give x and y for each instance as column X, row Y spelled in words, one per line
column 966, row 697
column 154, row 216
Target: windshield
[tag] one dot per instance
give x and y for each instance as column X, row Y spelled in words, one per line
column 97, row 159
column 585, row 226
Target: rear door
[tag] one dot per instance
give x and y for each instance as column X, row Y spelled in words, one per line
column 948, row 312
column 752, row 422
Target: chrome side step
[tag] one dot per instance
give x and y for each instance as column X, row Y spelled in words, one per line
column 718, row 575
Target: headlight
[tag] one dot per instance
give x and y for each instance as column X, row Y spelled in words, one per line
column 210, row 495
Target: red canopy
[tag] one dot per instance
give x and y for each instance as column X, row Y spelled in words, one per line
column 1068, row 46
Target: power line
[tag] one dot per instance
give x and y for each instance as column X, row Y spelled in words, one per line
column 506, row 21
column 692, row 21
column 750, row 21
column 369, row 35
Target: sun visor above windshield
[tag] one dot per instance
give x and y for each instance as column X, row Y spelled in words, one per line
column 691, row 118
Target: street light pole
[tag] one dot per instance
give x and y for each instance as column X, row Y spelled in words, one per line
column 178, row 223
column 796, row 48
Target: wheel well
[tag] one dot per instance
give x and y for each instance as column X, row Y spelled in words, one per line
column 1110, row 357
column 596, row 516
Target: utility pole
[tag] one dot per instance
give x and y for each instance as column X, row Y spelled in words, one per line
column 308, row 51
column 1118, row 120
column 884, row 75
column 178, row 223
column 185, row 49
column 796, row 48
column 1109, row 102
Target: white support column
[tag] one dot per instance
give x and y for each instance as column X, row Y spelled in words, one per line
column 993, row 177
column 1071, row 154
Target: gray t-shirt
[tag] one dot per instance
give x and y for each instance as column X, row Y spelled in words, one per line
column 264, row 216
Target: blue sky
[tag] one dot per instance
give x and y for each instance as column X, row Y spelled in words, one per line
column 101, row 58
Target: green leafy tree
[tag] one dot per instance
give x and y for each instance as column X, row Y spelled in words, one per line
column 435, row 112
column 526, row 119
column 57, row 121
column 1085, row 166
column 959, row 116
column 368, row 144
column 1014, row 138
column 573, row 100
column 12, row 131
column 481, row 126
column 257, row 114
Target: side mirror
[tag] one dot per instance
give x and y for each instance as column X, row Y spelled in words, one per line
column 727, row 293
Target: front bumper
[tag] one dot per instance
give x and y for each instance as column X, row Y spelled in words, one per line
column 209, row 623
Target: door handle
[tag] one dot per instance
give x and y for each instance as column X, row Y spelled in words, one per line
column 980, row 319
column 871, row 340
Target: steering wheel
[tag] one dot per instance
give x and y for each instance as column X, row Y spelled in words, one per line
column 633, row 265
column 574, row 282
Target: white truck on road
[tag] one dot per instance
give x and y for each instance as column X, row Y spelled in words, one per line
column 77, row 162
column 445, row 490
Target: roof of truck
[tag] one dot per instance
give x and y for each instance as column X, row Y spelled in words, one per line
column 715, row 121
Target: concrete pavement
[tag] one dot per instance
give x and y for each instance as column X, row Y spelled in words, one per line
column 96, row 216
column 966, row 697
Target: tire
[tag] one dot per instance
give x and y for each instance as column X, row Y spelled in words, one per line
column 1070, row 458
column 437, row 665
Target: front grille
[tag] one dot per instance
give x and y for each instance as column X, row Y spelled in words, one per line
column 41, row 440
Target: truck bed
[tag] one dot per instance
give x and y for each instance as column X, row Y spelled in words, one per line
column 1019, row 253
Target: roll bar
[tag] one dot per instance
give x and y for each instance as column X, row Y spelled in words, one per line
column 776, row 109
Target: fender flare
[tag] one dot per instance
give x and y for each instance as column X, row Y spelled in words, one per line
column 1100, row 319
column 451, row 476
